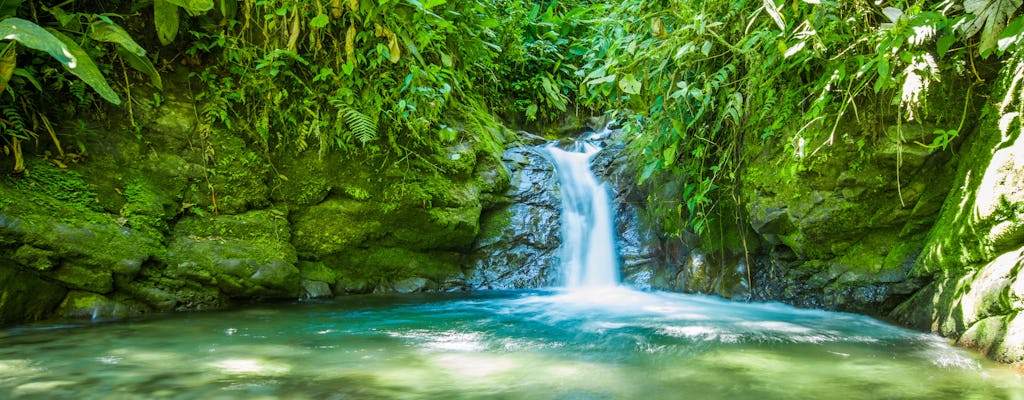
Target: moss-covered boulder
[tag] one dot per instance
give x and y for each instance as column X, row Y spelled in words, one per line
column 974, row 255
column 246, row 255
column 24, row 296
column 94, row 306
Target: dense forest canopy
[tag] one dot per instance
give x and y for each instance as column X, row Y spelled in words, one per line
column 406, row 78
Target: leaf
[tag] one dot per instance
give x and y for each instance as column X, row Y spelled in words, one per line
column 1012, row 35
column 8, row 62
column 194, row 7
column 990, row 19
column 604, row 79
column 143, row 65
column 85, row 69
column 8, row 8
column 319, row 21
column 944, row 43
column 62, row 48
column 629, row 84
column 773, row 11
column 363, row 126
column 229, row 8
column 165, row 17
column 794, row 49
column 112, row 33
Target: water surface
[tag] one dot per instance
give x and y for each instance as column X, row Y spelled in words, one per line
column 608, row 344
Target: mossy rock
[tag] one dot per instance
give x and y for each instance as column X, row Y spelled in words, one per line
column 24, row 297
column 93, row 306
column 245, row 255
column 381, row 269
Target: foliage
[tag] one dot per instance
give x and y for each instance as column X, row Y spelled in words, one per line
column 76, row 41
column 355, row 76
column 691, row 79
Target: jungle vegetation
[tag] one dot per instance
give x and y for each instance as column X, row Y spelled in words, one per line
column 689, row 80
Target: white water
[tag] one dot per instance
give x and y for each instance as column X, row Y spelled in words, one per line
column 588, row 245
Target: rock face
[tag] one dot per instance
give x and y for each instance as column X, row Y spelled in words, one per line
column 519, row 240
column 975, row 253
column 176, row 220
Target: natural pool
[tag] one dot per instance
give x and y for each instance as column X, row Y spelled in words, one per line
column 596, row 344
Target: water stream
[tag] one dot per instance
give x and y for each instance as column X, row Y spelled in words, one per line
column 588, row 242
column 592, row 339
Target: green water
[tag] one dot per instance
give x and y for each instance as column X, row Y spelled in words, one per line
column 611, row 344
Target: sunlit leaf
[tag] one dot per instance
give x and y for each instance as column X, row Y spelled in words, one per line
column 629, row 84
column 319, row 21
column 990, row 19
column 62, row 48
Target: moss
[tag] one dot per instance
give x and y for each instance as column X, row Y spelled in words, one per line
column 24, row 297
column 381, row 268
column 34, row 257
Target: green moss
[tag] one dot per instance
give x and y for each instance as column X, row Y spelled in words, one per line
column 24, row 297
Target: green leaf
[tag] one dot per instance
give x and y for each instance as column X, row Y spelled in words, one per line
column 112, row 33
column 229, row 8
column 319, row 21
column 193, row 7
column 143, row 65
column 8, row 8
column 990, row 19
column 629, row 84
column 944, row 43
column 1013, row 34
column 62, row 48
column 165, row 16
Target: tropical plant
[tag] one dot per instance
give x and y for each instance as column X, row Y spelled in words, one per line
column 89, row 30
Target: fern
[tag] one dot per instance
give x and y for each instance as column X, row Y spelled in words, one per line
column 363, row 126
column 15, row 121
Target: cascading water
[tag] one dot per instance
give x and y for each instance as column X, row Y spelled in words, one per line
column 589, row 259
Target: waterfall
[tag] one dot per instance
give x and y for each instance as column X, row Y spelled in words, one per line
column 589, row 259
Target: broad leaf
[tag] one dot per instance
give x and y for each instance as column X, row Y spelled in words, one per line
column 630, row 84
column 990, row 19
column 193, row 7
column 319, row 21
column 112, row 33
column 84, row 68
column 1013, row 34
column 143, row 65
column 62, row 48
column 165, row 16
column 228, row 8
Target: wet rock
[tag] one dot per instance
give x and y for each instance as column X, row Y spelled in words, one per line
column 316, row 289
column 93, row 306
column 518, row 241
column 247, row 255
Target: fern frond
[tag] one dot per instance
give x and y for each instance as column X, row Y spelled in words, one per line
column 363, row 126
column 15, row 121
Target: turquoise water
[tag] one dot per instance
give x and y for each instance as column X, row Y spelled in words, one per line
column 607, row 344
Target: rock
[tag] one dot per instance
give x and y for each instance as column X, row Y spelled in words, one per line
column 93, row 306
column 518, row 241
column 247, row 255
column 316, row 289
column 24, row 297
column 410, row 285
